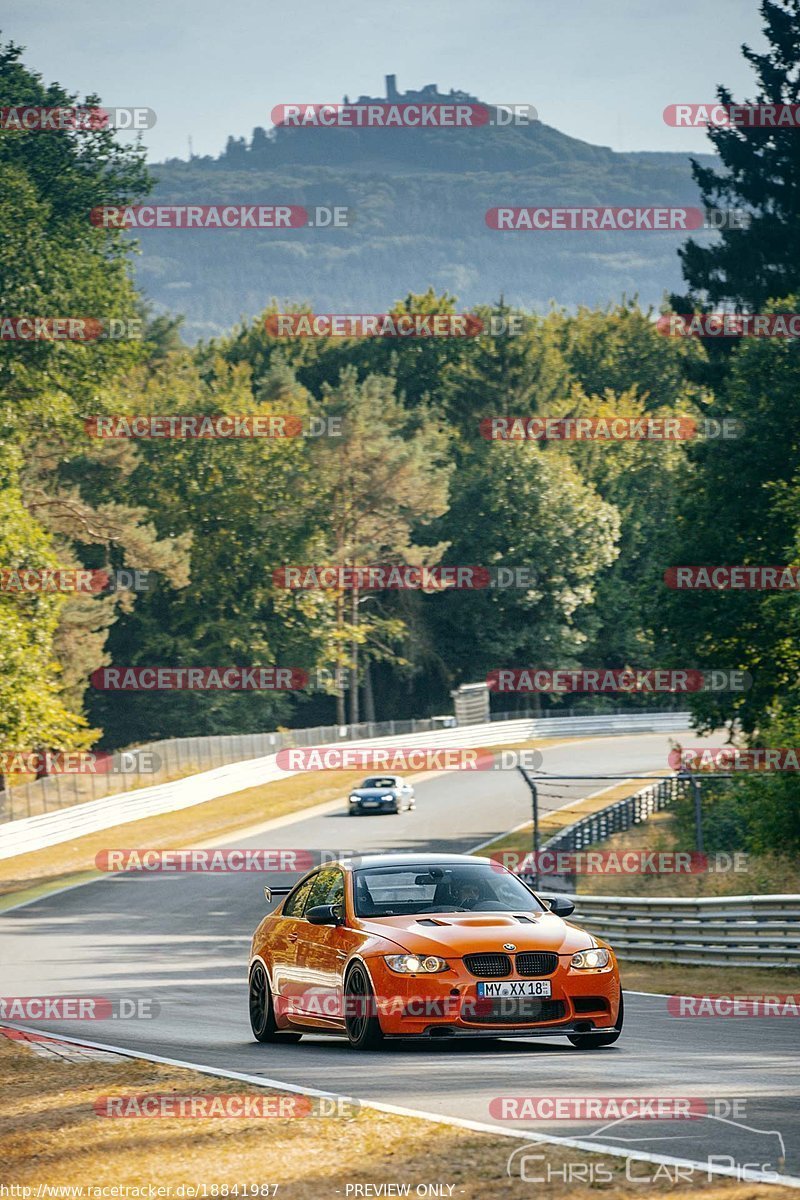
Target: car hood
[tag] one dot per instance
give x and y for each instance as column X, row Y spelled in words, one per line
column 458, row 934
column 372, row 793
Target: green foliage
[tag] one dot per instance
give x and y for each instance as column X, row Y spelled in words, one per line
column 758, row 811
column 749, row 266
column 740, row 506
column 54, row 263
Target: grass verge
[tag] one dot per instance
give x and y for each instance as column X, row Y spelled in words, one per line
column 675, row 979
column 51, row 1135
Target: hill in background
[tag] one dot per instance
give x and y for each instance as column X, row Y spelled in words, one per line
column 419, row 199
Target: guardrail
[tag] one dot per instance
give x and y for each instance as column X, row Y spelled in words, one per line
column 617, row 817
column 747, row 931
column 50, row 828
column 751, row 931
column 187, row 756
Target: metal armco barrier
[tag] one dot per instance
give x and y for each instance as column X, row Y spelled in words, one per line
column 751, row 931
column 185, row 756
column 619, row 816
column 746, row 931
column 50, row 828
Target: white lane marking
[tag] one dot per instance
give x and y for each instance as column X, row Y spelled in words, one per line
column 662, row 995
column 436, row 1118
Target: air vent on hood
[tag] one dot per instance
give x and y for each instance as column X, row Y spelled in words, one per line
column 524, row 920
column 430, row 921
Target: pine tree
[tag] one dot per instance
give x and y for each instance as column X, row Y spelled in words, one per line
column 751, row 265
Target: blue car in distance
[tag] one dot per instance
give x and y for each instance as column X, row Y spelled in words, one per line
column 382, row 793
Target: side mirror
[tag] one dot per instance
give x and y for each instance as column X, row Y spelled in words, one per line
column 560, row 906
column 268, row 894
column 325, row 914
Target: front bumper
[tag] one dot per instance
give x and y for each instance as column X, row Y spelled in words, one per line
column 447, row 1004
column 363, row 806
column 443, row 1033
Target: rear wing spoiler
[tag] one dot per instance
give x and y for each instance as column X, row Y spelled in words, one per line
column 269, row 892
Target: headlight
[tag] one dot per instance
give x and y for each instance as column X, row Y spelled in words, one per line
column 413, row 964
column 590, row 959
column 354, row 799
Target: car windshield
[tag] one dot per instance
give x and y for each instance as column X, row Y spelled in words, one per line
column 380, row 781
column 409, row 890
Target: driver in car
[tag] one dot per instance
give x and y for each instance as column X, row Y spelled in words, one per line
column 466, row 894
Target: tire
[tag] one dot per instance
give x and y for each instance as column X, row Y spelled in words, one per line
column 593, row 1041
column 262, row 1012
column 363, row 1027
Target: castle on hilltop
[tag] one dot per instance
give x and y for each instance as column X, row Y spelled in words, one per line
column 430, row 94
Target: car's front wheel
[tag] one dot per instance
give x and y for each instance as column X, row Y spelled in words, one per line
column 361, row 1015
column 262, row 1011
column 593, row 1041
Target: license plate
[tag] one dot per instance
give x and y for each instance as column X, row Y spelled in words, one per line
column 370, row 803
column 521, row 987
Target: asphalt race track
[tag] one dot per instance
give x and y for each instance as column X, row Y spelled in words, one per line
column 184, row 941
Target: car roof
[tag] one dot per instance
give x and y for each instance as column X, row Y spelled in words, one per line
column 410, row 860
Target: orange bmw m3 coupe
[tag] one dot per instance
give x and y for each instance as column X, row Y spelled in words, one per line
column 432, row 945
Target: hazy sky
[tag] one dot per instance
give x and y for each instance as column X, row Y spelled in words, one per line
column 601, row 70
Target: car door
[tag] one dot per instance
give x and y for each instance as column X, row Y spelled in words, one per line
column 322, row 952
column 283, row 944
